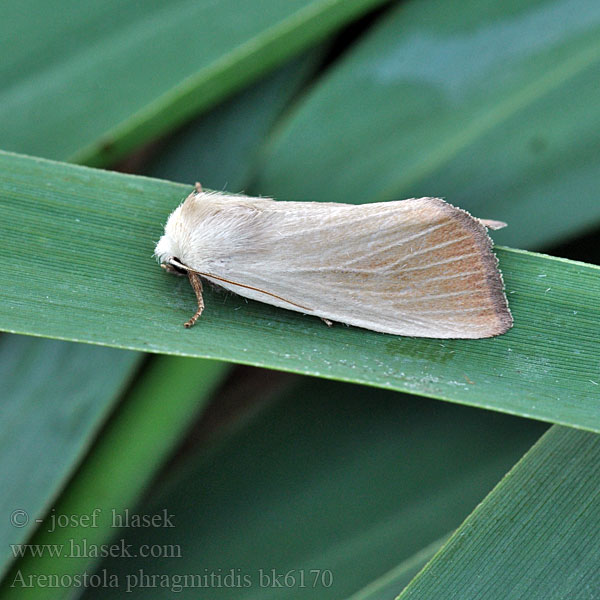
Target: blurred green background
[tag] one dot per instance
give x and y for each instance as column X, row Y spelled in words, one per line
column 346, row 489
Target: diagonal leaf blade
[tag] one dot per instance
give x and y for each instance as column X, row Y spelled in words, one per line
column 235, row 129
column 535, row 536
column 55, row 397
column 114, row 76
column 334, row 477
column 493, row 106
column 119, row 466
column 387, row 586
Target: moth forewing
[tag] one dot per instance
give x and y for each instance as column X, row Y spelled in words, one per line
column 418, row 267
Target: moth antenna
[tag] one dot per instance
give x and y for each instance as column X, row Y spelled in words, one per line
column 174, row 262
column 249, row 287
column 197, row 287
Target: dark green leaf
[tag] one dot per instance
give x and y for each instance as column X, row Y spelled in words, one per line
column 388, row 585
column 493, row 106
column 117, row 75
column 338, row 478
column 537, row 535
column 55, row 396
column 121, row 463
column 221, row 147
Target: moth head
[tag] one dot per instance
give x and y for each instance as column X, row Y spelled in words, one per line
column 192, row 232
column 170, row 250
column 175, row 266
column 167, row 252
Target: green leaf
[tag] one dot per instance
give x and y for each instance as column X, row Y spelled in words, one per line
column 78, row 247
column 537, row 535
column 220, row 148
column 119, row 74
column 55, row 397
column 493, row 106
column 388, row 585
column 334, row 477
column 120, row 464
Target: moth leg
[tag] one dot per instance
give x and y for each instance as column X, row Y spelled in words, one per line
column 326, row 321
column 198, row 187
column 197, row 287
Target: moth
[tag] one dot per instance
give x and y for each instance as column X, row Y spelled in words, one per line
column 418, row 267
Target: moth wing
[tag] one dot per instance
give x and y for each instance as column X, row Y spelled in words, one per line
column 418, row 267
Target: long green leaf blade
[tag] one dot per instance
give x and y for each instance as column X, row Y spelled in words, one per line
column 55, row 397
column 537, row 535
column 221, row 147
column 493, row 106
column 119, row 74
column 78, row 245
column 388, row 585
column 334, row 477
column 121, row 463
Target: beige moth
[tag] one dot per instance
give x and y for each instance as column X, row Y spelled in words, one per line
column 418, row 267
